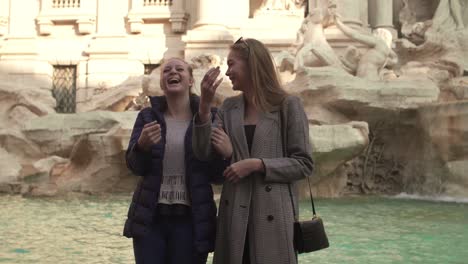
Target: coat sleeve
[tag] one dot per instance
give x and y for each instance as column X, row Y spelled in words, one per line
column 298, row 164
column 138, row 161
column 217, row 167
column 201, row 136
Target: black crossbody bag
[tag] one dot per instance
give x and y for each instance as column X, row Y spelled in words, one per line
column 308, row 235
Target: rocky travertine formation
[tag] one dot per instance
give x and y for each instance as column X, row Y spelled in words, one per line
column 74, row 153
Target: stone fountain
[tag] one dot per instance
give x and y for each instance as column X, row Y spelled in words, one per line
column 387, row 114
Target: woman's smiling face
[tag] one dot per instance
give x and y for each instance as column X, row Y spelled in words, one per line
column 238, row 72
column 176, row 77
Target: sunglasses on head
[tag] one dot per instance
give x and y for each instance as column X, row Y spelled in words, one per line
column 241, row 40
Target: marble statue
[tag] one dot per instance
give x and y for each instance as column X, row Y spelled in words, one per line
column 451, row 15
column 417, row 35
column 438, row 37
column 313, row 50
column 379, row 54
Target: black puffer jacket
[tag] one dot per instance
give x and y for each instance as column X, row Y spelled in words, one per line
column 199, row 176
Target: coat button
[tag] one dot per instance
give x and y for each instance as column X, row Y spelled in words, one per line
column 226, row 202
column 268, row 188
column 270, row 218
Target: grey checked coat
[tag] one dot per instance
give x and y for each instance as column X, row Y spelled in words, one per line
column 260, row 201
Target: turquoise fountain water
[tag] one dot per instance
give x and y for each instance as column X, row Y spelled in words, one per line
column 361, row 230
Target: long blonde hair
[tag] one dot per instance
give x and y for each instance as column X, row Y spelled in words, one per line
column 268, row 91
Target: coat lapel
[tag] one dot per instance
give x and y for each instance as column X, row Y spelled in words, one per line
column 238, row 129
column 266, row 123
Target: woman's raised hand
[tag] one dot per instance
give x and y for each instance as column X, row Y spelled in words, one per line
column 208, row 85
column 151, row 134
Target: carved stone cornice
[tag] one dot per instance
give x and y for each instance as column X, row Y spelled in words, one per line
column 82, row 13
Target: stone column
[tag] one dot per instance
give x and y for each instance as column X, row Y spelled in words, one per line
column 381, row 14
column 322, row 4
column 350, row 11
column 209, row 35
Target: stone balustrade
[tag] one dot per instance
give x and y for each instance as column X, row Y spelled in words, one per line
column 157, row 2
column 65, row 3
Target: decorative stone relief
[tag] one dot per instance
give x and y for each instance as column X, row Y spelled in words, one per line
column 440, row 42
column 206, row 61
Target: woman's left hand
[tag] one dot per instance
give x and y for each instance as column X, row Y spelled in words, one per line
column 241, row 169
column 221, row 142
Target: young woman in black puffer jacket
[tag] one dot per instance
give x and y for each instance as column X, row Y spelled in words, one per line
column 172, row 216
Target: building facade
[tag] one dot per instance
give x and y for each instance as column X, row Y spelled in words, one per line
column 85, row 46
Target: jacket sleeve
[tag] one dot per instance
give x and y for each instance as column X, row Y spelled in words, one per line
column 138, row 161
column 298, row 164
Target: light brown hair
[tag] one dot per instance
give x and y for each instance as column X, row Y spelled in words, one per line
column 268, row 91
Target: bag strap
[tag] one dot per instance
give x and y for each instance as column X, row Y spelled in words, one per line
column 284, row 141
